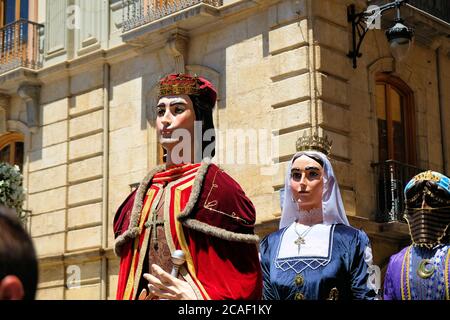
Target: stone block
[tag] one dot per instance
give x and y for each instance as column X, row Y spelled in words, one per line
column 332, row 62
column 333, row 116
column 349, row 200
column 87, row 292
column 290, row 89
column 295, row 115
column 87, row 80
column 54, row 111
column 331, row 10
column 289, row 36
column 85, row 192
column 113, row 271
column 55, row 90
column 50, row 293
column 286, row 11
column 86, row 124
column 84, row 238
column 279, row 176
column 288, row 144
column 48, row 157
column 289, row 62
column 85, row 169
column 331, row 35
column 85, row 147
column 50, row 135
column 46, row 201
column 49, row 244
column 47, row 179
column 344, row 173
column 332, row 89
column 51, row 276
column 84, row 215
column 48, row 223
column 341, row 144
column 134, row 159
column 89, row 272
column 124, row 116
column 86, row 102
column 127, row 138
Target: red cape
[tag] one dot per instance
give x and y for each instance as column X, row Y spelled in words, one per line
column 214, row 225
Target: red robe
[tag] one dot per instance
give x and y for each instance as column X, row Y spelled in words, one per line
column 208, row 216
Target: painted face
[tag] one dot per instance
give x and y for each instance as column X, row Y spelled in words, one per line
column 307, row 183
column 173, row 113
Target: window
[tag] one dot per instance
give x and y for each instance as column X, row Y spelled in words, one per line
column 396, row 144
column 395, row 119
column 13, row 10
column 12, row 149
column 13, row 30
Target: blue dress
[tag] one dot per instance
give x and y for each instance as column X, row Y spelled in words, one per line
column 335, row 265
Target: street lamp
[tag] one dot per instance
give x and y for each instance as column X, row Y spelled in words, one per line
column 399, row 35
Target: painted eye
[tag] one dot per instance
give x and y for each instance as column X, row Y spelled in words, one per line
column 313, row 174
column 179, row 110
column 160, row 112
column 296, row 176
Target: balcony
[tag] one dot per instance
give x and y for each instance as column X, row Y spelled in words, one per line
column 392, row 179
column 20, row 45
column 137, row 13
column 438, row 8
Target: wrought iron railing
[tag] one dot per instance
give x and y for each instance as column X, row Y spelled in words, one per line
column 20, row 45
column 139, row 12
column 392, row 177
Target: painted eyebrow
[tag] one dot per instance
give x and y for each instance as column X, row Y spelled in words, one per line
column 171, row 104
column 308, row 168
column 178, row 102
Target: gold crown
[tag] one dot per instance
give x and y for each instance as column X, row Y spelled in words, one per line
column 314, row 142
column 179, row 84
column 428, row 175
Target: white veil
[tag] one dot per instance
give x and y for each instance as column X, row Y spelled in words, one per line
column 332, row 207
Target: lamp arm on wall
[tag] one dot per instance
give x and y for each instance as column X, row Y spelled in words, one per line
column 360, row 24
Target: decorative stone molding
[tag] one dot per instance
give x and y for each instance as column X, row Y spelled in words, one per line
column 177, row 47
column 4, row 105
column 31, row 94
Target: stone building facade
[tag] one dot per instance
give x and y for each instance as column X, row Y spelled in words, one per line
column 83, row 112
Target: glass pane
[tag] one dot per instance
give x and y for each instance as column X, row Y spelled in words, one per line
column 398, row 129
column 396, row 105
column 382, row 140
column 381, row 101
column 399, row 141
column 10, row 11
column 24, row 9
column 5, row 153
column 18, row 157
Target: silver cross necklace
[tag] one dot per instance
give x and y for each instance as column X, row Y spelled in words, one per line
column 301, row 237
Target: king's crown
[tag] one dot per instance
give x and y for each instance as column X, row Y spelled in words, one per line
column 314, row 143
column 179, row 84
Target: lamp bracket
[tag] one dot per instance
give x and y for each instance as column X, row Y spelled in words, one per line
column 360, row 24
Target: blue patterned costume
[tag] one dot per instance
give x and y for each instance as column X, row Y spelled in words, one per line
column 337, row 265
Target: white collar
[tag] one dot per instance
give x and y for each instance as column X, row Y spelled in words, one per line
column 318, row 241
